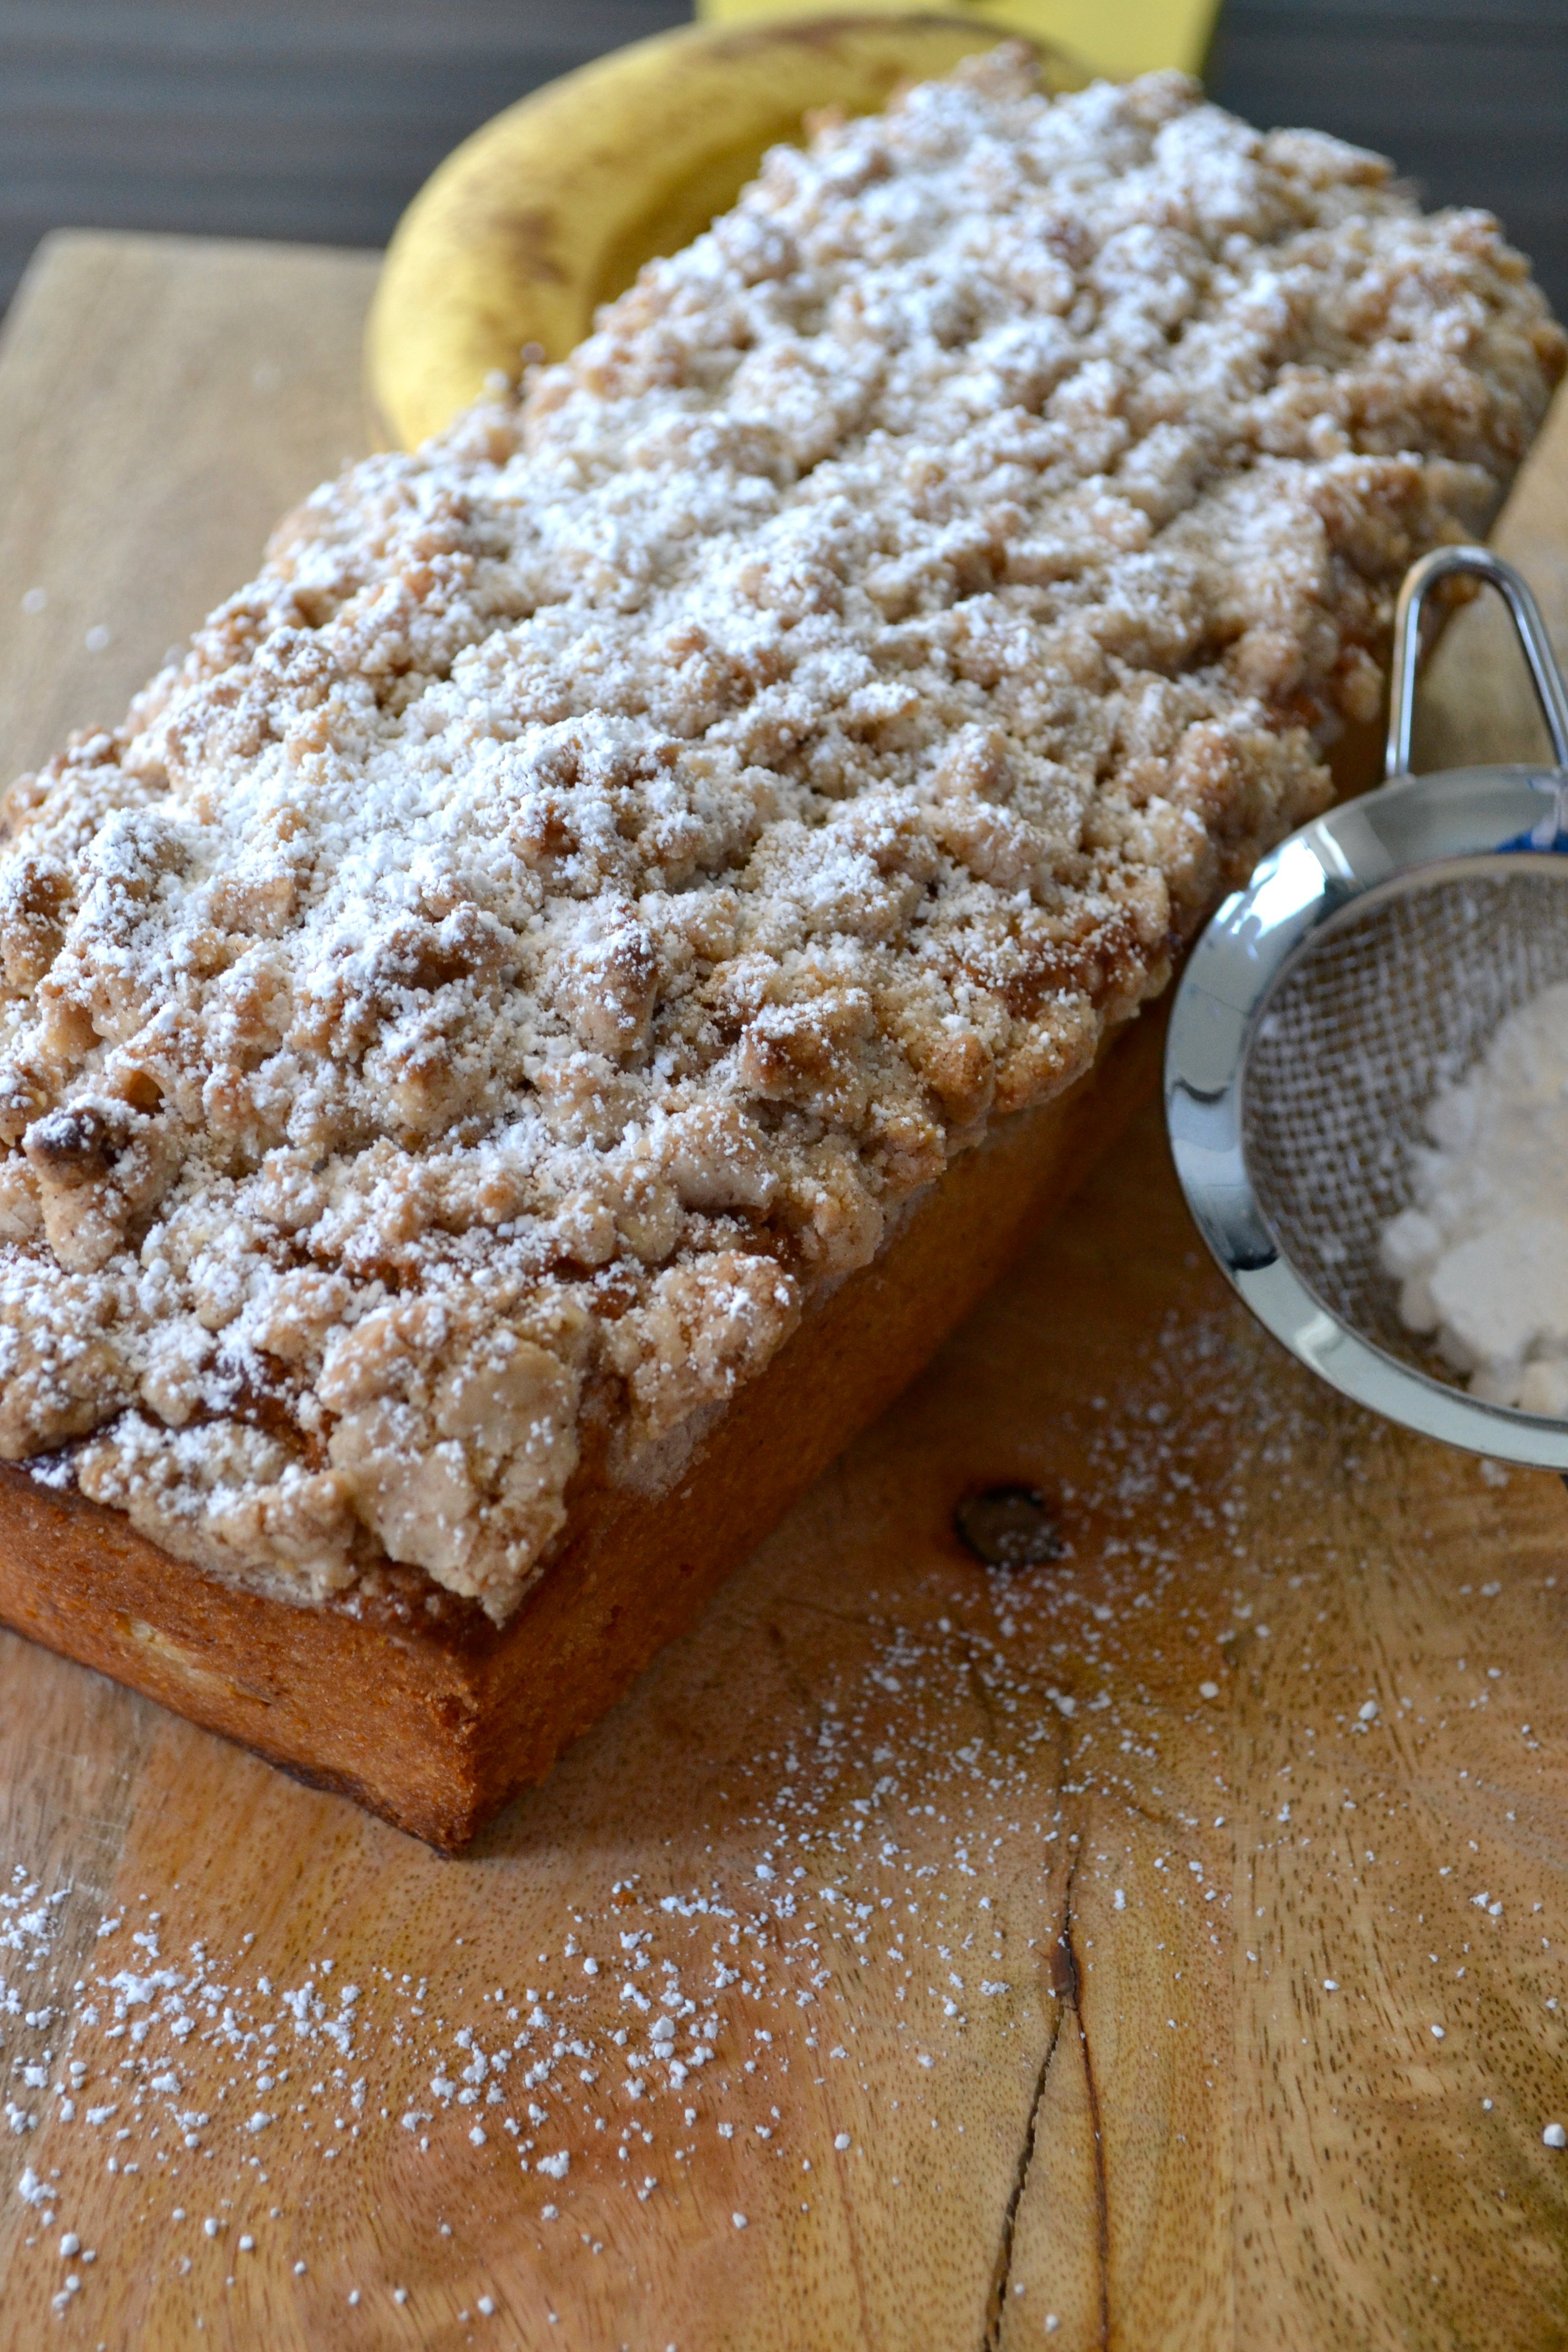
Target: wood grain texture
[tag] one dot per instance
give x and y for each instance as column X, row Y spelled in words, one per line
column 1103, row 1910
column 163, row 401
column 1477, row 704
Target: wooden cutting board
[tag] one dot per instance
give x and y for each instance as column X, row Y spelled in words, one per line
column 1158, row 1946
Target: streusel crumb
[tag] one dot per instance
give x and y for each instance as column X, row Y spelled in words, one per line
column 608, row 861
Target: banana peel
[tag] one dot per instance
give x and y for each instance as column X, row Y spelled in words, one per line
column 551, row 209
column 1119, row 37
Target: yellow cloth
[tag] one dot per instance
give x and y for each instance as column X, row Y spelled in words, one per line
column 1109, row 37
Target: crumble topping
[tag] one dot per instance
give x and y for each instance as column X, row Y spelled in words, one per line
column 553, row 919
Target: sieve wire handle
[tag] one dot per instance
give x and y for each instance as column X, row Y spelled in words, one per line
column 1480, row 563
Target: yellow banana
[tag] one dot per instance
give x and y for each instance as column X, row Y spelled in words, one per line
column 553, row 208
column 1113, row 37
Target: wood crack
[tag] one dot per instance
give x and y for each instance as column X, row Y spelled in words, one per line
column 1065, row 1988
column 1002, row 2273
column 1101, row 2187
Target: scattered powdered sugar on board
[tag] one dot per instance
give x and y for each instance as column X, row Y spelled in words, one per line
column 874, row 1909
column 1481, row 1256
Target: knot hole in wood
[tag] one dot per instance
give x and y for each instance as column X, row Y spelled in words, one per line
column 1008, row 1525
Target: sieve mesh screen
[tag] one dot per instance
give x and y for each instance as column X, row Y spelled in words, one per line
column 1389, row 1003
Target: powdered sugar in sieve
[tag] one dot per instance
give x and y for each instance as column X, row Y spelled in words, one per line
column 1388, row 1004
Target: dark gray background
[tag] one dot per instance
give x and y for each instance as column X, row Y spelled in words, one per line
column 317, row 119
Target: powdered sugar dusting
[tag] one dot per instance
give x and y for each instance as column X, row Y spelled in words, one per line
column 610, row 860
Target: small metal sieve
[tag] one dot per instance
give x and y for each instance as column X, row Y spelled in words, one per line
column 1363, row 968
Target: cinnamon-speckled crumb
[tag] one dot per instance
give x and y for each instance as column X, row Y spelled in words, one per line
column 610, row 859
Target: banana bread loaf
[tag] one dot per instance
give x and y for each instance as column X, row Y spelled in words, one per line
column 539, row 1021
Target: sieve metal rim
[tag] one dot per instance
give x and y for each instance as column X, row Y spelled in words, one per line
column 1414, row 831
